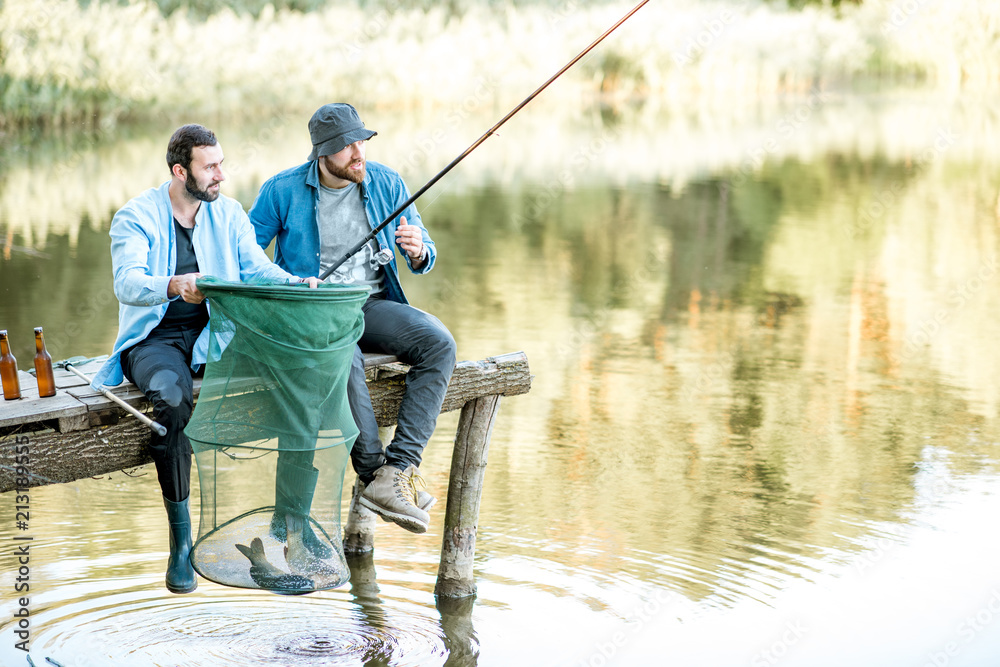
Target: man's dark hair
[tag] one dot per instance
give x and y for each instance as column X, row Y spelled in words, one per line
column 185, row 138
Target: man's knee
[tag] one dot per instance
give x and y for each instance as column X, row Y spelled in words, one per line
column 448, row 349
column 172, row 397
column 440, row 344
column 436, row 349
column 170, row 388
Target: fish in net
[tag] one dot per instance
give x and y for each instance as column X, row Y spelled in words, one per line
column 272, row 432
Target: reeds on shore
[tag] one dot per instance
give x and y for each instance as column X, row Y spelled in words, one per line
column 107, row 61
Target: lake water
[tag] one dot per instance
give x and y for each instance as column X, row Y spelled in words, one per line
column 762, row 428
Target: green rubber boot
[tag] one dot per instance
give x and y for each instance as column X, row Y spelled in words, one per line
column 294, row 487
column 180, row 575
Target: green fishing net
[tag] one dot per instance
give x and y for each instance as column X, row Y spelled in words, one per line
column 272, row 432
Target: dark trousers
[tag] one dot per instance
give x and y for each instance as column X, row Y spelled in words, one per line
column 160, row 367
column 418, row 339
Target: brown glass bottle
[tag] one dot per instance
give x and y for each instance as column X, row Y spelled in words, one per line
column 43, row 367
column 8, row 369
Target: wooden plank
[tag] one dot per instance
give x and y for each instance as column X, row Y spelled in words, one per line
column 378, row 359
column 28, row 385
column 387, row 386
column 64, row 457
column 506, row 375
column 79, row 398
column 82, row 391
column 31, row 408
column 100, row 402
column 37, row 409
column 74, row 423
column 64, row 379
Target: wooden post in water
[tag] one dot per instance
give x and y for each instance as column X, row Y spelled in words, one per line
column 359, row 530
column 465, row 489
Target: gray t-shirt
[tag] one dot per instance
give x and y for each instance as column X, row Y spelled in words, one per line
column 342, row 224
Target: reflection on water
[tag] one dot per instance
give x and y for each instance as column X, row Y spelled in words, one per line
column 763, row 382
column 460, row 646
column 132, row 624
column 98, row 599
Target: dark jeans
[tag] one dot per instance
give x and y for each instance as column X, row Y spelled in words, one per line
column 420, row 340
column 160, row 367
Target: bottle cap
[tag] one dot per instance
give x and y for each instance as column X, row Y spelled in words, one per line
column 3, row 332
column 38, row 330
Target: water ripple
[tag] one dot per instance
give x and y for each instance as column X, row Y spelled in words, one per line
column 145, row 628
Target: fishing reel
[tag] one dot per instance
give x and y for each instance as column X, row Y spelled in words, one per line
column 381, row 258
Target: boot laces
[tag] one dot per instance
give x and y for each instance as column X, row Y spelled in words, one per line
column 407, row 485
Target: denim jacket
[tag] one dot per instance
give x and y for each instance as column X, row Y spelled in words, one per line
column 144, row 254
column 286, row 208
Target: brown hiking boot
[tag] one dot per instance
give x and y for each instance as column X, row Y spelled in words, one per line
column 393, row 496
column 425, row 501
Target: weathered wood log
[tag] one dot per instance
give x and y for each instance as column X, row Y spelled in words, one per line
column 465, row 490
column 359, row 530
column 53, row 458
column 505, row 375
column 56, row 457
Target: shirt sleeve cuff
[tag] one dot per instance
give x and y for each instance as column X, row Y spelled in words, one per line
column 161, row 285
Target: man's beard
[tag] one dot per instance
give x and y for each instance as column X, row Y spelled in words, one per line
column 191, row 185
column 348, row 174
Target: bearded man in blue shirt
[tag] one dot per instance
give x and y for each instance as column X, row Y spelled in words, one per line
column 317, row 212
column 162, row 241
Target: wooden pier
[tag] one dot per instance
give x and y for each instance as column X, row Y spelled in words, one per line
column 79, row 433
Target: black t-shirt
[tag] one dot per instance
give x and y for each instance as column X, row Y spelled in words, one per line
column 181, row 314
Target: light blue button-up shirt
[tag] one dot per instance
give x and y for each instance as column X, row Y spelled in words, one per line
column 286, row 208
column 144, row 254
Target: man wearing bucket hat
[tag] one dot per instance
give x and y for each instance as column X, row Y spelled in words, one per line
column 319, row 210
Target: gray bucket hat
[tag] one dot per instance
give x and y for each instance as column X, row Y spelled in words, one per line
column 335, row 126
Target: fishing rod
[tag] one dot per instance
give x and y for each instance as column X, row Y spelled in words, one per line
column 474, row 146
